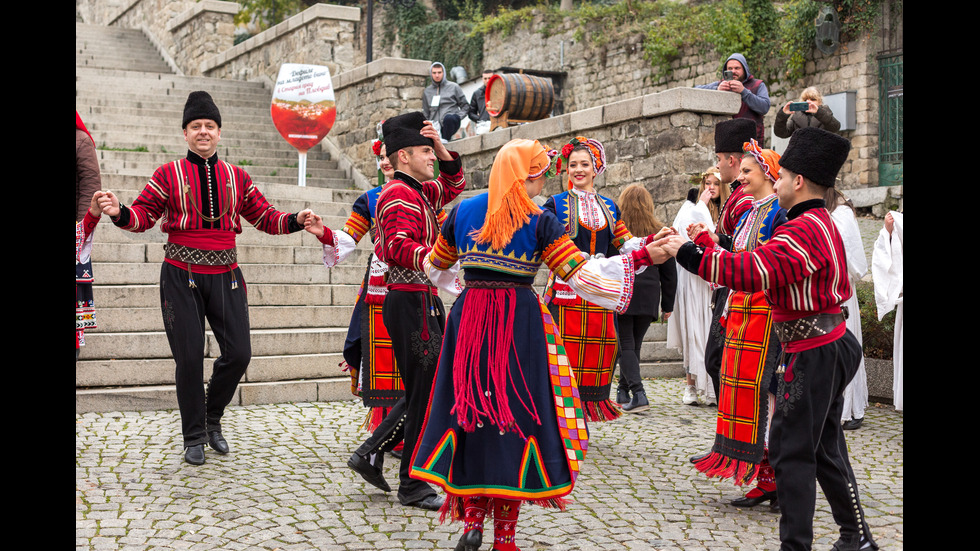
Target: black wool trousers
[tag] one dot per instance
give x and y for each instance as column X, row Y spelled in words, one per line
column 416, row 341
column 184, row 310
column 807, row 445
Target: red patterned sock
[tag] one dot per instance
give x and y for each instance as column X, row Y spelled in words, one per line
column 505, row 512
column 474, row 512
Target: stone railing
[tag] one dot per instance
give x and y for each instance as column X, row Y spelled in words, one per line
column 197, row 38
column 323, row 34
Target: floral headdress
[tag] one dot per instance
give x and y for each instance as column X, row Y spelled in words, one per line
column 596, row 151
column 767, row 159
column 551, row 169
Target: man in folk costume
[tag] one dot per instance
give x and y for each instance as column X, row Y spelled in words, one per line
column 201, row 201
column 729, row 137
column 367, row 348
column 593, row 223
column 505, row 424
column 803, row 272
column 751, row 349
column 407, row 228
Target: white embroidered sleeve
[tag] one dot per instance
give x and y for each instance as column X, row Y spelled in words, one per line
column 446, row 280
column 343, row 246
column 606, row 282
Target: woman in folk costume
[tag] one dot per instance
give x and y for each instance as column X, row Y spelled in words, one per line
column 84, row 306
column 887, row 272
column 593, row 224
column 751, row 350
column 505, row 422
column 842, row 213
column 687, row 328
column 88, row 181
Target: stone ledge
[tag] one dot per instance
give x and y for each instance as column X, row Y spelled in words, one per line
column 380, row 67
column 215, row 6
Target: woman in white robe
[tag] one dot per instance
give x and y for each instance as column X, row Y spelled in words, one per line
column 687, row 328
column 887, row 272
column 856, row 392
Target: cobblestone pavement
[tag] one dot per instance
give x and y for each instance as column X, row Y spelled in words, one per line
column 286, row 486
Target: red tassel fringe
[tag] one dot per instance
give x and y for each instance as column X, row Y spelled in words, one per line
column 606, row 410
column 716, row 464
column 452, row 508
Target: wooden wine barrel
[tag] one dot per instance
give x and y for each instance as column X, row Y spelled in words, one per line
column 520, row 97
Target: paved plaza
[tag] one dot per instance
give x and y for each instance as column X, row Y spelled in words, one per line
column 286, row 486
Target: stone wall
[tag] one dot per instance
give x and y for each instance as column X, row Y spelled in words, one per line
column 366, row 96
column 618, row 71
column 197, row 38
column 320, row 35
column 659, row 140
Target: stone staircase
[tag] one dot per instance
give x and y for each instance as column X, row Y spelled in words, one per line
column 132, row 104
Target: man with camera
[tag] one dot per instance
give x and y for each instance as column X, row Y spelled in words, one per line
column 755, row 96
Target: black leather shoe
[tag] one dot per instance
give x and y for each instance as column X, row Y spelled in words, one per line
column 194, row 454
column 217, row 442
column 622, row 396
column 470, row 541
column 852, row 424
column 368, row 472
column 854, row 543
column 429, row 503
column 700, row 456
column 746, row 501
column 638, row 403
column 397, row 454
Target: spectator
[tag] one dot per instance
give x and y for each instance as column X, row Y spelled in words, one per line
column 817, row 114
column 443, row 102
column 478, row 101
column 755, row 95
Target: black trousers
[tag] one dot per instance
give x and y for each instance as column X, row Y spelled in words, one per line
column 806, row 443
column 184, row 311
column 715, row 346
column 416, row 340
column 631, row 332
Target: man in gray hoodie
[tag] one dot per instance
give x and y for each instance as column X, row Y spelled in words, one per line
column 444, row 102
column 755, row 95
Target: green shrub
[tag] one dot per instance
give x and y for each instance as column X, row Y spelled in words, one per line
column 878, row 337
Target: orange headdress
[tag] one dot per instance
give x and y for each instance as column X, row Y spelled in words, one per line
column 508, row 205
column 767, row 159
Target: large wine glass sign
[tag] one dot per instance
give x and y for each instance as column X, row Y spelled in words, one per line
column 303, row 107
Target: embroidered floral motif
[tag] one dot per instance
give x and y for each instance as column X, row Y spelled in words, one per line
column 790, row 389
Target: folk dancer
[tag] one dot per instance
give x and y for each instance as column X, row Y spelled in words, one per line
column 202, row 200
column 803, row 272
column 505, row 423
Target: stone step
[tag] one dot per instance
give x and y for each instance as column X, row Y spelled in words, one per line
column 114, row 320
column 265, row 342
column 164, row 397
column 259, row 294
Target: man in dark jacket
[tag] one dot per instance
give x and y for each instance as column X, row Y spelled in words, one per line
column 755, row 95
column 478, row 101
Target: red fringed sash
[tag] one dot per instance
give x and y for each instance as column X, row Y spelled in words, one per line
column 747, row 364
column 486, row 323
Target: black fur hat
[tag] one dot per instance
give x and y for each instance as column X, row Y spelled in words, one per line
column 403, row 131
column 816, row 154
column 731, row 134
column 199, row 105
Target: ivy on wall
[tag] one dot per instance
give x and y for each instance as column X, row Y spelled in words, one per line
column 776, row 34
